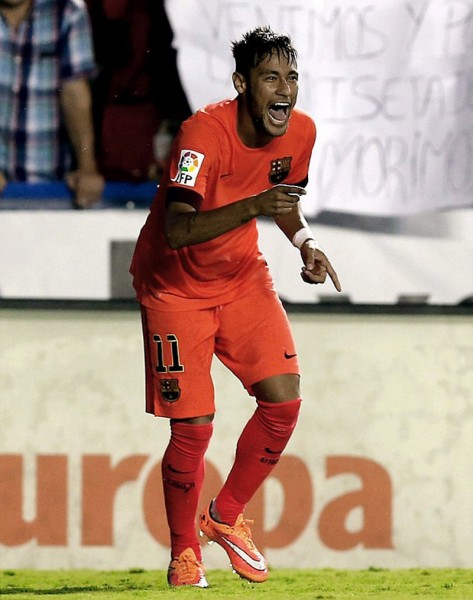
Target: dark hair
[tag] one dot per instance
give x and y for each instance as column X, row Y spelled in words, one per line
column 258, row 44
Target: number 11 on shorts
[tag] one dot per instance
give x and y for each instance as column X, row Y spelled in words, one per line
column 175, row 366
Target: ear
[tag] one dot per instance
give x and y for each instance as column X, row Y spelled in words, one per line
column 239, row 82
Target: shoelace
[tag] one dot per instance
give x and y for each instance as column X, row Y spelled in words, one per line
column 187, row 568
column 242, row 530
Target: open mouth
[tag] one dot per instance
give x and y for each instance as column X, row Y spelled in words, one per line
column 279, row 112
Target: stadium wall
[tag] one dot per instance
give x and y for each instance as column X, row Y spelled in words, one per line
column 376, row 474
column 66, row 254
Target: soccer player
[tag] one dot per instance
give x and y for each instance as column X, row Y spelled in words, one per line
column 205, row 289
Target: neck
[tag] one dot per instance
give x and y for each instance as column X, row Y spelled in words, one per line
column 15, row 13
column 247, row 130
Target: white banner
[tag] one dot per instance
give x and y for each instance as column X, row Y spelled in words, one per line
column 389, row 84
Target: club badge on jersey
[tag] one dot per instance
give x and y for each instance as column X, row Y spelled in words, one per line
column 188, row 168
column 279, row 169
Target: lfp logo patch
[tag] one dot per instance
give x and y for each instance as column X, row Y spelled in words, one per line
column 190, row 162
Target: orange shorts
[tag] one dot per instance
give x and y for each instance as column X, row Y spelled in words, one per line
column 251, row 336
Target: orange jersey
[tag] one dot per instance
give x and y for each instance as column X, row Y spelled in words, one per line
column 209, row 158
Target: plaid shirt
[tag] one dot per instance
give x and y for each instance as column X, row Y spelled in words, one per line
column 53, row 44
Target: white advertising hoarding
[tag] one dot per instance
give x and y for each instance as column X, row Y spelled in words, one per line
column 373, row 476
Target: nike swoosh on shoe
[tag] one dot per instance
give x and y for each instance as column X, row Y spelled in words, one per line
column 259, row 565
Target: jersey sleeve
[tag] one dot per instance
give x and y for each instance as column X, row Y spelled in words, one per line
column 195, row 156
column 310, row 136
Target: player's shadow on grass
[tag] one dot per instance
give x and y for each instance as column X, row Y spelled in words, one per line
column 63, row 590
column 76, row 589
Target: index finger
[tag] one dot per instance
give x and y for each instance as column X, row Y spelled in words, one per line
column 291, row 189
column 334, row 277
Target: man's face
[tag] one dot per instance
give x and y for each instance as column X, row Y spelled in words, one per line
column 271, row 94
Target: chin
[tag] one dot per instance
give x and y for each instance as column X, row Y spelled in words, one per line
column 276, row 131
column 267, row 127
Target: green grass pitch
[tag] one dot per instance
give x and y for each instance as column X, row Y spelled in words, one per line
column 284, row 584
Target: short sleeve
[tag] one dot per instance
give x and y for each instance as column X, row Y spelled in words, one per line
column 195, row 157
column 77, row 50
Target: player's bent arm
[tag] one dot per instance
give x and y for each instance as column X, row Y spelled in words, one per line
column 185, row 225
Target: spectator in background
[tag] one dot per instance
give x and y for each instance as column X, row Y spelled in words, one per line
column 138, row 95
column 46, row 125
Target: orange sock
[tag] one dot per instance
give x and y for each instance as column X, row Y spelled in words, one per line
column 183, row 470
column 258, row 450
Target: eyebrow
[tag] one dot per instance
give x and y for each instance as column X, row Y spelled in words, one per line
column 274, row 72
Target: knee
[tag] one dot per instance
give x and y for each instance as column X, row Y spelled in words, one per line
column 279, row 388
column 204, row 420
column 279, row 417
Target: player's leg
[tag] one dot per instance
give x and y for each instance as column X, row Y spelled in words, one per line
column 264, row 358
column 260, row 445
column 258, row 451
column 183, row 471
column 179, row 387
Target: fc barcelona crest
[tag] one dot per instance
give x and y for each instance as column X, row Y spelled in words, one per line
column 279, row 170
column 170, row 390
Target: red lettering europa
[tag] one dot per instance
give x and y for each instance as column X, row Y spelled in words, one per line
column 374, row 498
column 49, row 527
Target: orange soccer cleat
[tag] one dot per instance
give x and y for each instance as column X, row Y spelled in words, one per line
column 186, row 570
column 245, row 558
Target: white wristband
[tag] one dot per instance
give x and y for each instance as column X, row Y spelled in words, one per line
column 301, row 236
